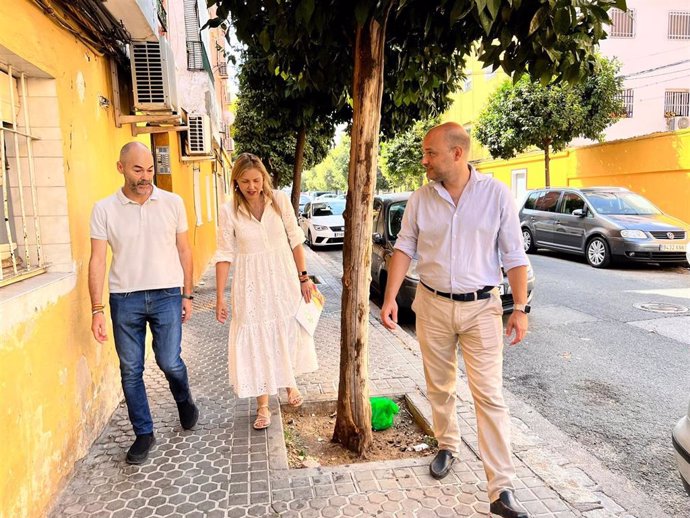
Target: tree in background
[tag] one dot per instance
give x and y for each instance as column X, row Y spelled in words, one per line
column 280, row 123
column 401, row 156
column 527, row 113
column 339, row 44
column 331, row 173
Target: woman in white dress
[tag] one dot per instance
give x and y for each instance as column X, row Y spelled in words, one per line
column 259, row 235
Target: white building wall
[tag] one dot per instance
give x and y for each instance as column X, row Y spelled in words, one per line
column 194, row 88
column 649, row 49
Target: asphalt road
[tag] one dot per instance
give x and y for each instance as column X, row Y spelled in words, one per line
column 610, row 375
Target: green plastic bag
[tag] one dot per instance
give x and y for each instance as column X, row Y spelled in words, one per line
column 382, row 412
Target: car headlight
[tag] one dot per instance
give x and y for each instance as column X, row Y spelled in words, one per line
column 320, row 227
column 633, row 234
column 412, row 270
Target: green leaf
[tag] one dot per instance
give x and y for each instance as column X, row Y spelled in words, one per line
column 481, row 4
column 305, row 9
column 562, row 20
column 461, row 8
column 485, row 21
column 265, row 39
column 537, row 20
column 494, row 6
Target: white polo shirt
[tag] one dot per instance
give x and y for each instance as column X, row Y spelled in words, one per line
column 143, row 239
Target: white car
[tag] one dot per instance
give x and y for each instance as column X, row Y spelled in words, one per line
column 323, row 223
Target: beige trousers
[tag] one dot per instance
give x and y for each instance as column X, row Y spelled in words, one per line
column 477, row 326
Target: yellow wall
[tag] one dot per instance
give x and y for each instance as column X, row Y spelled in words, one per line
column 656, row 166
column 59, row 387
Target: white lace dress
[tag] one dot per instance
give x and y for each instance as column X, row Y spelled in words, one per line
column 267, row 347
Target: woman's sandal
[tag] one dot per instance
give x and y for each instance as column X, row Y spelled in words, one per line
column 262, row 421
column 295, row 399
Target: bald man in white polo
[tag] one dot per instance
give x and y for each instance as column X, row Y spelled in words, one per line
column 150, row 283
column 455, row 226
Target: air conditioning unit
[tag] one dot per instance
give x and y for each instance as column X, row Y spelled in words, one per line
column 199, row 135
column 677, row 123
column 153, row 76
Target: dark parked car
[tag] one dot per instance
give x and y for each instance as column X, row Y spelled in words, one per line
column 603, row 224
column 388, row 214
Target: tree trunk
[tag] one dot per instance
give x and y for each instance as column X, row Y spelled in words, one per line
column 353, row 423
column 297, row 170
column 547, row 164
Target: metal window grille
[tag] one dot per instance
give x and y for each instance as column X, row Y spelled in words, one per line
column 628, row 98
column 162, row 14
column 623, row 23
column 20, row 236
column 195, row 55
column 195, row 50
column 679, row 25
column 676, row 103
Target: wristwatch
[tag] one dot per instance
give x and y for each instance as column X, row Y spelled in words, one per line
column 525, row 308
column 188, row 297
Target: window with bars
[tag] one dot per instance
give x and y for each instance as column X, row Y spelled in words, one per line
column 679, row 25
column 676, row 103
column 34, row 227
column 195, row 49
column 623, row 23
column 628, row 97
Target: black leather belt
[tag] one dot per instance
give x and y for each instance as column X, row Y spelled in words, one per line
column 484, row 293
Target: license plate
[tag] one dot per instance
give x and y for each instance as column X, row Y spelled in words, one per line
column 339, row 234
column 501, row 289
column 679, row 247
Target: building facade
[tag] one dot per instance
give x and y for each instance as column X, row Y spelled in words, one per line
column 68, row 101
column 652, row 43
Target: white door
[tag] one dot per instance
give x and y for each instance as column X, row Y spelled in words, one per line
column 518, row 185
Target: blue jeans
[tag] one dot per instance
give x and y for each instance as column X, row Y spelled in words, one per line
column 162, row 310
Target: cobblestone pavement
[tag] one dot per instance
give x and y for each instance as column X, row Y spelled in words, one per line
column 224, row 468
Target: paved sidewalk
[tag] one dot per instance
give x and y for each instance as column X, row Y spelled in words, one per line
column 224, row 468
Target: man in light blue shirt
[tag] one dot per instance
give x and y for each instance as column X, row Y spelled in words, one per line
column 456, row 226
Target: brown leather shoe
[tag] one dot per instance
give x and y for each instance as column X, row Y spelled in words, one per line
column 506, row 505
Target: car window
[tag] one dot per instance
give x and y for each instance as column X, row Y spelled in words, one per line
column 395, row 216
column 570, row 202
column 531, row 200
column 621, row 203
column 329, row 208
column 548, row 201
column 303, row 199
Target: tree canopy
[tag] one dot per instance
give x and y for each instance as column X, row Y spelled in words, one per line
column 381, row 55
column 528, row 113
column 401, row 156
column 331, row 173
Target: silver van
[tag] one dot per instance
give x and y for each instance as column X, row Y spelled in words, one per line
column 603, row 224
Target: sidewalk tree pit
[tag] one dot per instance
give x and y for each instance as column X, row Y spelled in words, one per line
column 308, row 435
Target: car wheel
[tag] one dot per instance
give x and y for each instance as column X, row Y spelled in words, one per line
column 598, row 253
column 310, row 239
column 528, row 241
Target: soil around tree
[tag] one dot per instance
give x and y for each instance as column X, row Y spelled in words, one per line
column 308, row 432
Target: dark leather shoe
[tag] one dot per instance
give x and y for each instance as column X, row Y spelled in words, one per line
column 139, row 451
column 441, row 464
column 506, row 505
column 189, row 413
